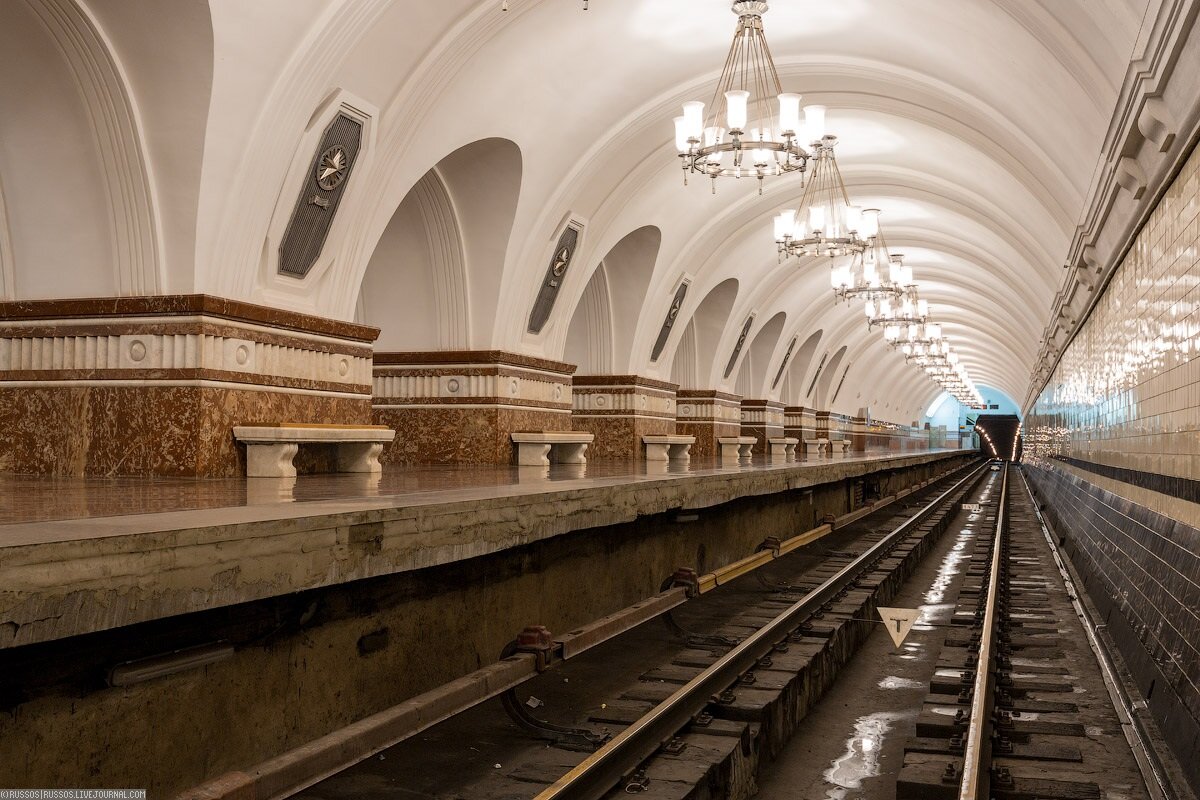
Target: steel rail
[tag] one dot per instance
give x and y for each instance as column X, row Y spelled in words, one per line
column 976, row 771
column 604, row 769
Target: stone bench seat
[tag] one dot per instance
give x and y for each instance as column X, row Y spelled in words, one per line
column 782, row 449
column 815, row 448
column 839, row 448
column 271, row 448
column 541, row 448
column 734, row 448
column 668, row 447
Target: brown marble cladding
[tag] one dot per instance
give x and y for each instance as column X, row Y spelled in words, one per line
column 147, row 430
column 799, row 422
column 460, row 407
column 858, row 434
column 183, row 305
column 619, row 410
column 708, row 415
column 462, row 434
column 155, row 384
column 762, row 419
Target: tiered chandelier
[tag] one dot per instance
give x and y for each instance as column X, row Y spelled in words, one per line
column 910, row 309
column 754, row 129
column 744, row 134
column 865, row 276
column 825, row 224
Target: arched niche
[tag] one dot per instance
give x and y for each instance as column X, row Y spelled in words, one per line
column 590, row 335
column 433, row 279
column 695, row 358
column 752, row 376
column 603, row 324
column 791, row 389
column 79, row 199
column 830, row 376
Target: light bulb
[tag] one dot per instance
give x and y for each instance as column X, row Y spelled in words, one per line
column 789, row 113
column 870, row 223
column 922, row 308
column 933, row 330
column 681, row 135
column 853, row 220
column 816, row 219
column 693, row 115
column 913, row 333
column 814, row 122
column 870, row 309
column 735, row 108
column 784, row 223
column 891, row 333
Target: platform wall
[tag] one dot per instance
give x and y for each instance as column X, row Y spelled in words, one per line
column 1113, row 448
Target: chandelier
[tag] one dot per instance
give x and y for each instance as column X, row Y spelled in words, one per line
column 873, row 273
column 926, row 334
column 826, row 224
column 909, row 310
column 743, row 135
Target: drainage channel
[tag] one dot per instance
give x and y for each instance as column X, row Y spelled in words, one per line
column 825, row 589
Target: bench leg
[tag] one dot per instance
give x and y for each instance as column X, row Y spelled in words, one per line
column 569, row 453
column 359, row 457
column 530, row 454
column 272, row 460
column 681, row 453
column 779, row 454
column 730, row 453
column 746, row 450
column 658, row 452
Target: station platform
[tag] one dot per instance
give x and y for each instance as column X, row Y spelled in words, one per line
column 75, row 556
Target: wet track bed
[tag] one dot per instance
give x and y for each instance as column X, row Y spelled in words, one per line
column 483, row 753
column 829, row 708
column 1024, row 681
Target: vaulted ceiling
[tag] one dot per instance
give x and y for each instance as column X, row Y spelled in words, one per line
column 976, row 126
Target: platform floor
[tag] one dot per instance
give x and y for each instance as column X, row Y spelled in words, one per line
column 26, row 500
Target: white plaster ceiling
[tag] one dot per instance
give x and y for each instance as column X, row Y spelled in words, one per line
column 975, row 125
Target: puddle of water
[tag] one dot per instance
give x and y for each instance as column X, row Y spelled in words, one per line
column 892, row 682
column 948, row 711
column 861, row 759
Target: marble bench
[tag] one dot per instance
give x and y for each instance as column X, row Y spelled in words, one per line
column 734, row 448
column 839, row 448
column 668, row 447
column 271, row 448
column 782, row 449
column 540, row 448
column 815, row 448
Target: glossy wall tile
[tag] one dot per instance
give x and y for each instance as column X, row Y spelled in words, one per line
column 1126, row 393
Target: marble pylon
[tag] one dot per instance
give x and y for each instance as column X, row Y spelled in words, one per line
column 619, row 410
column 708, row 415
column 461, row 406
column 762, row 419
column 155, row 385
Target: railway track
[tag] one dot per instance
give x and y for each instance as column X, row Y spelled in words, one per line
column 750, row 651
column 746, row 657
column 1009, row 714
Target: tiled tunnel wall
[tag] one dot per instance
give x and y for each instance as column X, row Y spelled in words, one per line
column 1113, row 449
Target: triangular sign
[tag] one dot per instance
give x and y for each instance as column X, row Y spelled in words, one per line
column 898, row 621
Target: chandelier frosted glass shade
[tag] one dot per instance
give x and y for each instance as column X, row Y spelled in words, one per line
column 752, row 128
column 825, row 224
